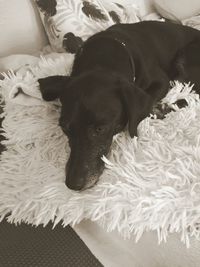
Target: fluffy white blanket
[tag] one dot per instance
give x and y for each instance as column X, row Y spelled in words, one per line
column 151, row 182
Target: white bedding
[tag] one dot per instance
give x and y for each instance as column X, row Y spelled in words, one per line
column 113, row 251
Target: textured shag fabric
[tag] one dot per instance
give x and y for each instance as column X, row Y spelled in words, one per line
column 150, row 183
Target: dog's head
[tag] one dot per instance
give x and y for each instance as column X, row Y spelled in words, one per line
column 95, row 106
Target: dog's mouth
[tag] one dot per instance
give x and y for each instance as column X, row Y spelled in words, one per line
column 92, row 182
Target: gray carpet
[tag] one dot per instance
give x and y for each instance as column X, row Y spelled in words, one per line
column 27, row 246
column 1, row 136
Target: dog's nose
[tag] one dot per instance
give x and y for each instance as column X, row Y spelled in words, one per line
column 77, row 186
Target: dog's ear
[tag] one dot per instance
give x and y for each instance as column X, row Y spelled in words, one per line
column 51, row 87
column 137, row 105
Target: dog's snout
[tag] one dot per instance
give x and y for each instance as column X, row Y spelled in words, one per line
column 80, row 179
column 74, row 176
column 77, row 186
column 83, row 169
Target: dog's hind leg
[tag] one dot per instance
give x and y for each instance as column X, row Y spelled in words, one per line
column 160, row 85
column 158, row 90
column 187, row 65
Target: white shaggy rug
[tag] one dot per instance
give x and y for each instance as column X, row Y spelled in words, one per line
column 150, row 183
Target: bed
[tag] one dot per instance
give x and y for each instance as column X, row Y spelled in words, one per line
column 109, row 245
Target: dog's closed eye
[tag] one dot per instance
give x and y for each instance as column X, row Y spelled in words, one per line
column 98, row 130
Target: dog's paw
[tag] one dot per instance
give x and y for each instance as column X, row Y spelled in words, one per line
column 161, row 109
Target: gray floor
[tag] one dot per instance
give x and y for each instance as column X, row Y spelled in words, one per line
column 27, row 246
column 1, row 137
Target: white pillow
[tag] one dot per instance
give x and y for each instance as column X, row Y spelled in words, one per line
column 177, row 10
column 146, row 7
column 70, row 22
column 21, row 28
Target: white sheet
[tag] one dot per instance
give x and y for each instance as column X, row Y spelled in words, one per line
column 113, row 251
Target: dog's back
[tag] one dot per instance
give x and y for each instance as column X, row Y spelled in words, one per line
column 157, row 35
column 151, row 43
column 155, row 40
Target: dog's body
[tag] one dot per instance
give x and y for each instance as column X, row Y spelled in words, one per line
column 116, row 78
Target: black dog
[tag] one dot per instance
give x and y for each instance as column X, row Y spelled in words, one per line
column 117, row 76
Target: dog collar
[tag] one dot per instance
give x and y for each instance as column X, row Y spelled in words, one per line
column 122, row 43
column 130, row 56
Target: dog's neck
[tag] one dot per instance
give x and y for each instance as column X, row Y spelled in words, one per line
column 129, row 54
column 87, row 59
